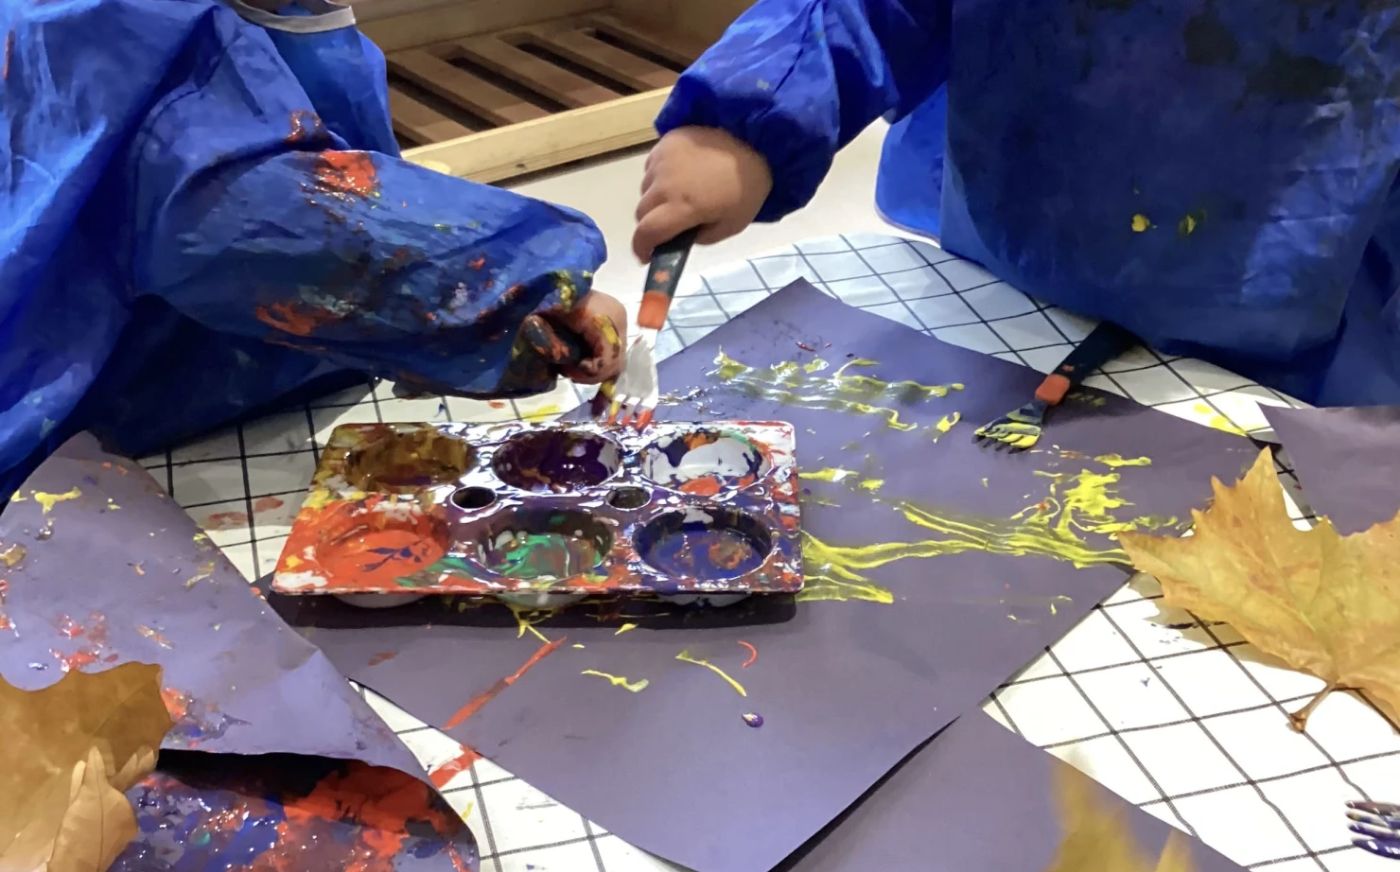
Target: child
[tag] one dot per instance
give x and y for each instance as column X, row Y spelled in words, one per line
column 1219, row 176
column 205, row 214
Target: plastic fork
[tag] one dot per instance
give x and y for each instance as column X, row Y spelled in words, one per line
column 632, row 398
column 1022, row 428
column 1379, row 823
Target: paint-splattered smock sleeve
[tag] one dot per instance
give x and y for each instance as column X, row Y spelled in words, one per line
column 798, row 79
column 253, row 219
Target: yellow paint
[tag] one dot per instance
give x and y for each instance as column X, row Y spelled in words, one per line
column 984, row 481
column 625, row 628
column 526, row 618
column 291, row 561
column 12, row 555
column 1216, row 420
column 1114, row 461
column 544, row 413
column 685, row 657
column 619, row 681
column 48, row 501
column 828, row 474
column 205, row 570
column 872, row 484
column 1141, row 223
column 946, row 423
column 843, row 391
column 112, row 505
column 1187, row 225
column 578, row 645
column 1075, row 506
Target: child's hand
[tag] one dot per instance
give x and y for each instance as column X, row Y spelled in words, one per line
column 600, row 321
column 699, row 177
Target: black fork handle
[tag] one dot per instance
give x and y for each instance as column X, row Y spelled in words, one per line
column 1104, row 343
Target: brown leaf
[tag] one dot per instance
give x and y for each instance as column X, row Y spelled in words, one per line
column 1322, row 602
column 1097, row 838
column 71, row 750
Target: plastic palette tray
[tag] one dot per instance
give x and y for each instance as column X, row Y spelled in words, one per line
column 548, row 514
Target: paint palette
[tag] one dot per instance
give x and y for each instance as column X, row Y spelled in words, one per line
column 544, row 515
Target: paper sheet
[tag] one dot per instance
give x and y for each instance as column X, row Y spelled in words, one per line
column 1346, row 459
column 644, row 719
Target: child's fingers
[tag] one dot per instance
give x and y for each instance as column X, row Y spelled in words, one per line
column 664, row 222
column 651, row 199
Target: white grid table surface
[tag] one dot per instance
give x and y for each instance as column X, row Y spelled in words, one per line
column 1183, row 718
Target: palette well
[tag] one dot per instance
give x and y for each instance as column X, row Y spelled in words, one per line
column 544, row 514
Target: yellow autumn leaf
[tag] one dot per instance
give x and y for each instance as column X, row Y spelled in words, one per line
column 1322, row 602
column 1097, row 837
column 71, row 751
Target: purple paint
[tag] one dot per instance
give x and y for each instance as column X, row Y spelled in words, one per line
column 706, row 543
column 753, row 719
column 556, row 460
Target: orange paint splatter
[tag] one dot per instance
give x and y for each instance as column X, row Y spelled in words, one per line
column 452, row 768
column 705, row 486
column 225, row 521
column 266, row 504
column 753, row 655
column 481, row 699
column 305, row 124
column 382, row 657
column 348, row 172
column 477, row 263
column 295, row 318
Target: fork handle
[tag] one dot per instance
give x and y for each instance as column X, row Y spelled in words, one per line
column 1104, row 343
column 663, row 275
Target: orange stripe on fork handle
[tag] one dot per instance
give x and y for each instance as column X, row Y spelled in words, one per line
column 655, row 305
column 1053, row 389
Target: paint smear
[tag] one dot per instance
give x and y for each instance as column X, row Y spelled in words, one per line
column 686, row 657
column 12, row 555
column 753, row 654
column 625, row 628
column 441, row 775
column 1216, row 420
column 476, row 703
column 946, row 423
column 347, row 172
column 48, row 501
column 1141, row 223
column 619, row 681
column 803, row 386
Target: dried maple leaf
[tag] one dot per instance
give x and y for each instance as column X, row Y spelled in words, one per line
column 71, row 750
column 1322, row 602
column 1097, row 838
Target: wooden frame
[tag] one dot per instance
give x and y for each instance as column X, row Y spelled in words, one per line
column 491, row 89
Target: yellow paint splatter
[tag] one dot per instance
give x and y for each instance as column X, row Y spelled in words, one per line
column 578, row 645
column 12, row 555
column 544, row 413
column 1114, row 461
column 872, row 484
column 799, row 385
column 48, row 501
column 204, row 571
column 1216, row 420
column 984, row 481
column 828, row 474
column 112, row 505
column 1141, row 223
column 1075, row 506
column 1187, row 225
column 946, row 423
column 625, row 628
column 685, row 657
column 526, row 618
column 619, row 681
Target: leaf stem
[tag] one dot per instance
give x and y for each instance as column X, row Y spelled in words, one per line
column 1299, row 720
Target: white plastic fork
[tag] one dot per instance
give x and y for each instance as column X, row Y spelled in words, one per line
column 632, row 397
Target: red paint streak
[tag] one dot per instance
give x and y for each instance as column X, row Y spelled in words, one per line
column 705, row 486
column 496, row 404
column 177, row 703
column 154, row 635
column 295, row 318
column 477, row 263
column 452, row 768
column 225, row 521
column 348, row 172
column 382, row 657
column 9, row 50
column 805, row 347
column 5, row 622
column 458, row 863
column 266, row 504
column 753, row 655
column 481, row 699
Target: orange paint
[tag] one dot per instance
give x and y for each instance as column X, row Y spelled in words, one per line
column 707, row 486
column 452, row 768
column 177, row 703
column 305, row 124
column 481, row 699
column 382, row 657
column 348, row 172
column 225, row 521
column 351, row 544
column 298, row 319
column 753, row 654
column 477, row 262
column 266, row 504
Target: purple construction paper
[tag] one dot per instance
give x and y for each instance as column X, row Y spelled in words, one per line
column 107, row 569
column 845, row 689
column 976, row 797
column 1346, row 459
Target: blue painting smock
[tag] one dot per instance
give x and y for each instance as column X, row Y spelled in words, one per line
column 1219, row 176
column 205, row 214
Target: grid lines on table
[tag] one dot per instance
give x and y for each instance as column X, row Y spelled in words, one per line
column 1183, row 718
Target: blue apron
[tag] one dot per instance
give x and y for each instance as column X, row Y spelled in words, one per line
column 206, row 216
column 1219, row 176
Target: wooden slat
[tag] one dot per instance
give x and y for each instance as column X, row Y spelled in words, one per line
column 492, row 155
column 677, row 48
column 704, row 20
column 535, row 73
column 419, row 122
column 472, row 93
column 396, row 29
column 608, row 60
